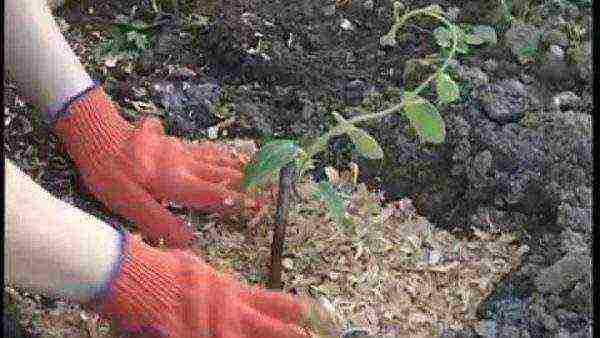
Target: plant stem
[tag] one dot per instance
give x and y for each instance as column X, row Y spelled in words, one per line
column 316, row 147
column 338, row 130
column 286, row 175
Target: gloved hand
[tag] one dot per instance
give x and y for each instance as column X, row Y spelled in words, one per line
column 174, row 294
column 133, row 169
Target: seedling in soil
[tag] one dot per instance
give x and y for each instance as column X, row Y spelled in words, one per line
column 423, row 117
column 422, row 114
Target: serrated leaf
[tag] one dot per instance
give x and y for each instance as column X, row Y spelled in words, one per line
column 268, row 161
column 425, row 118
column 443, row 37
column 480, row 35
column 335, row 203
column 446, row 88
column 365, row 144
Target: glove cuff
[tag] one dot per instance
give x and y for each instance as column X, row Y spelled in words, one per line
column 142, row 294
column 104, row 290
column 52, row 118
column 91, row 126
column 91, row 108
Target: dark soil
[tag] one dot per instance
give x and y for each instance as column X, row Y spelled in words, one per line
column 512, row 159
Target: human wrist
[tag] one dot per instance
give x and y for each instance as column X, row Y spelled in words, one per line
column 57, row 105
column 143, row 290
column 91, row 126
column 102, row 288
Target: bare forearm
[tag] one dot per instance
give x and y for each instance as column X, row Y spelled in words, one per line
column 39, row 58
column 51, row 246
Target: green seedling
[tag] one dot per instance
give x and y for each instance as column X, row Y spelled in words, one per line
column 422, row 115
column 266, row 165
column 281, row 158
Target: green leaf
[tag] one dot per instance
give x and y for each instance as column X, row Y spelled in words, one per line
column 268, row 161
column 447, row 89
column 480, row 35
column 443, row 37
column 425, row 118
column 335, row 203
column 366, row 145
column 528, row 51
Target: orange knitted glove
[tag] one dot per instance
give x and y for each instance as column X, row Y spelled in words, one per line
column 174, row 294
column 133, row 169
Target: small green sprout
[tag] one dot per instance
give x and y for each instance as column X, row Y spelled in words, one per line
column 422, row 115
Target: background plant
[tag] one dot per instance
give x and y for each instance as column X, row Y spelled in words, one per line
column 127, row 39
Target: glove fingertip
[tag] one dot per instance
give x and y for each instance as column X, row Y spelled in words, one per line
column 152, row 125
column 159, row 223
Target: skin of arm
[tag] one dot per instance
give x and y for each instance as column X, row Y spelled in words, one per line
column 54, row 4
column 51, row 246
column 38, row 57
